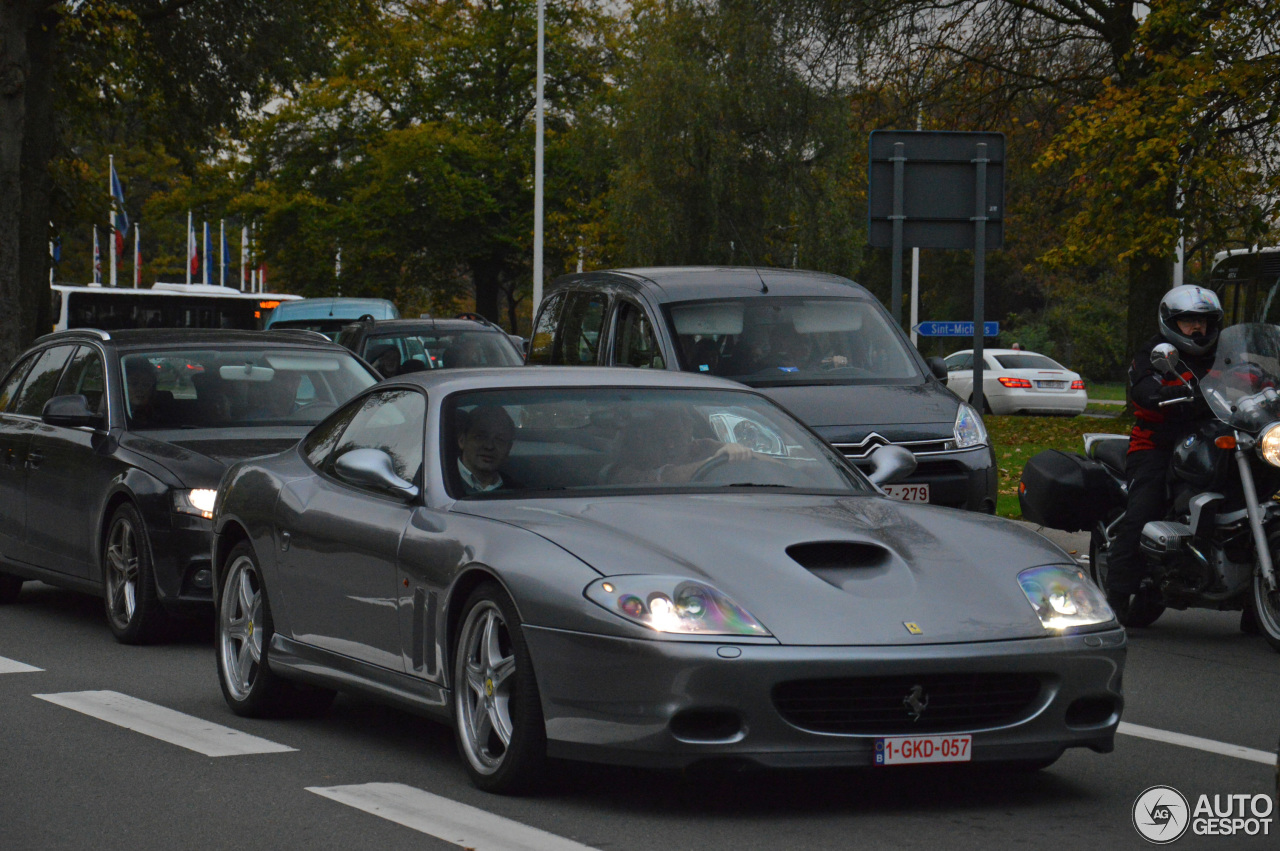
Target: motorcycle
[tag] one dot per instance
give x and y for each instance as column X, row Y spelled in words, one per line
column 1219, row 544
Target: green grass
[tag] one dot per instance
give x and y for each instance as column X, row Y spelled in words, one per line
column 1114, row 392
column 1016, row 439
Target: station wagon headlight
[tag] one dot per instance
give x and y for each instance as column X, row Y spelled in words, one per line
column 1064, row 597
column 969, row 430
column 198, row 502
column 673, row 604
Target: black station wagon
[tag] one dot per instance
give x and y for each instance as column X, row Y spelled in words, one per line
column 818, row 344
column 112, row 446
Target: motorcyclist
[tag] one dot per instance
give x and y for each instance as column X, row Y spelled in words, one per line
column 1190, row 318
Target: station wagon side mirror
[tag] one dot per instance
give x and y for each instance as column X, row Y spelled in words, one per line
column 938, row 367
column 1164, row 357
column 71, row 412
column 891, row 464
column 373, row 468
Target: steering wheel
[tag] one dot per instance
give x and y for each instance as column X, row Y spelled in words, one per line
column 713, row 463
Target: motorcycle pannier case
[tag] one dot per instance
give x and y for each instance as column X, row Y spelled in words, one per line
column 1066, row 491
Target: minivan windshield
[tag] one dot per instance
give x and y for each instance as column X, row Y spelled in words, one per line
column 767, row 342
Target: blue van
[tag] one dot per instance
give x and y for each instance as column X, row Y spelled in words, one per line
column 328, row 315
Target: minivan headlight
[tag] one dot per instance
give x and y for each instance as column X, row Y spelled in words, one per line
column 969, row 430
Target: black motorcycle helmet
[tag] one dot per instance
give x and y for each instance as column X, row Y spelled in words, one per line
column 1185, row 302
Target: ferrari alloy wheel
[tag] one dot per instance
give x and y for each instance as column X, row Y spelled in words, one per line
column 497, row 711
column 133, row 610
column 243, row 641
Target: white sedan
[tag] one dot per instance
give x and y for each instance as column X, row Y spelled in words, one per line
column 1018, row 382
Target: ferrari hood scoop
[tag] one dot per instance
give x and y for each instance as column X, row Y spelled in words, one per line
column 834, row 562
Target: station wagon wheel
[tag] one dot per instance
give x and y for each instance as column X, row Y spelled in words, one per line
column 129, row 587
column 497, row 710
column 244, row 634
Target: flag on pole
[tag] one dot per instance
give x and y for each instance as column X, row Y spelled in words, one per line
column 192, row 256
column 119, row 218
column 208, row 260
column 244, row 255
column 225, row 256
column 137, row 257
column 97, row 258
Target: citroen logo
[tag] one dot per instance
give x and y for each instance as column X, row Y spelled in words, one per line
column 916, row 702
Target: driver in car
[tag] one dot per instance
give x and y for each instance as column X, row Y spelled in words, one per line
column 485, row 436
column 662, row 448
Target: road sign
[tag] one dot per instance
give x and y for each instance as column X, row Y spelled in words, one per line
column 955, row 329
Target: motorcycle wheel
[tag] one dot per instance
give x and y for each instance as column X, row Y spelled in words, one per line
column 1266, row 608
column 1144, row 608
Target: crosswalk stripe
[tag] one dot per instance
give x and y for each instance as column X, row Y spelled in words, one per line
column 445, row 819
column 1238, row 751
column 9, row 666
column 164, row 724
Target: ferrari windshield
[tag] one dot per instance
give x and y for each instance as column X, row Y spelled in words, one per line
column 527, row 441
column 221, row 388
column 779, row 341
column 1241, row 388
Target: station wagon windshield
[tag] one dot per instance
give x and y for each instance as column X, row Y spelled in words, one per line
column 531, row 442
column 767, row 342
column 231, row 387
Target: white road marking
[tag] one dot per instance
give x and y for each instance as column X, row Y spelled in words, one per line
column 164, row 724
column 9, row 666
column 1238, row 751
column 444, row 819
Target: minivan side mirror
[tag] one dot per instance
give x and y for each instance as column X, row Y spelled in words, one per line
column 70, row 412
column 372, row 468
column 938, row 367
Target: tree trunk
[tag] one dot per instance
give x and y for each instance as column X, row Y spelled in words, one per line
column 485, row 277
column 14, row 71
column 38, row 144
column 1149, row 278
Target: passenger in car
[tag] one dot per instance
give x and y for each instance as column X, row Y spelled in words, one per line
column 661, row 447
column 485, row 435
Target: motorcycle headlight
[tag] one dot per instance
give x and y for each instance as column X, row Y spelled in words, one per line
column 1269, row 444
column 969, row 430
column 1064, row 597
column 673, row 604
column 198, row 502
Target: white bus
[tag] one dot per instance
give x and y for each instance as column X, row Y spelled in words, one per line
column 162, row 306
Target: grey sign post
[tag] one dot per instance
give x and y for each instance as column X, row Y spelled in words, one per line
column 938, row 190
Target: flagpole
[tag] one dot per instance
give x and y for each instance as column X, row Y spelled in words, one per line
column 537, row 171
column 191, row 238
column 137, row 256
column 52, row 262
column 111, row 219
column 204, row 257
column 222, row 252
column 244, row 251
column 97, row 258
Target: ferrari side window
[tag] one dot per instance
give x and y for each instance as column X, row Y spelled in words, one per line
column 391, row 421
column 319, row 444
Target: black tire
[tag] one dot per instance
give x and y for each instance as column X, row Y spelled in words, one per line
column 128, row 580
column 10, row 587
column 243, row 644
column 498, row 719
column 1265, row 603
column 1144, row 608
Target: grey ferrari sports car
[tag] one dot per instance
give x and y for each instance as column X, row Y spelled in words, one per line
column 650, row 568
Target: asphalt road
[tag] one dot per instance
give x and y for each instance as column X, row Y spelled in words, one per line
column 72, row 780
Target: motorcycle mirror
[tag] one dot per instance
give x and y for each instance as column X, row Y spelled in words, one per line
column 1164, row 357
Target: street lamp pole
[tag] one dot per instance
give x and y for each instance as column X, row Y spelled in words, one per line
column 537, row 173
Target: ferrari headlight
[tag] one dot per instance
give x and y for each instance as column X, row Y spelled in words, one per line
column 673, row 604
column 1064, row 597
column 198, row 502
column 969, row 430
column 1269, row 444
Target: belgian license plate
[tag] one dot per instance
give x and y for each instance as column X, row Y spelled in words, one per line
column 1051, row 385
column 912, row 750
column 908, row 493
